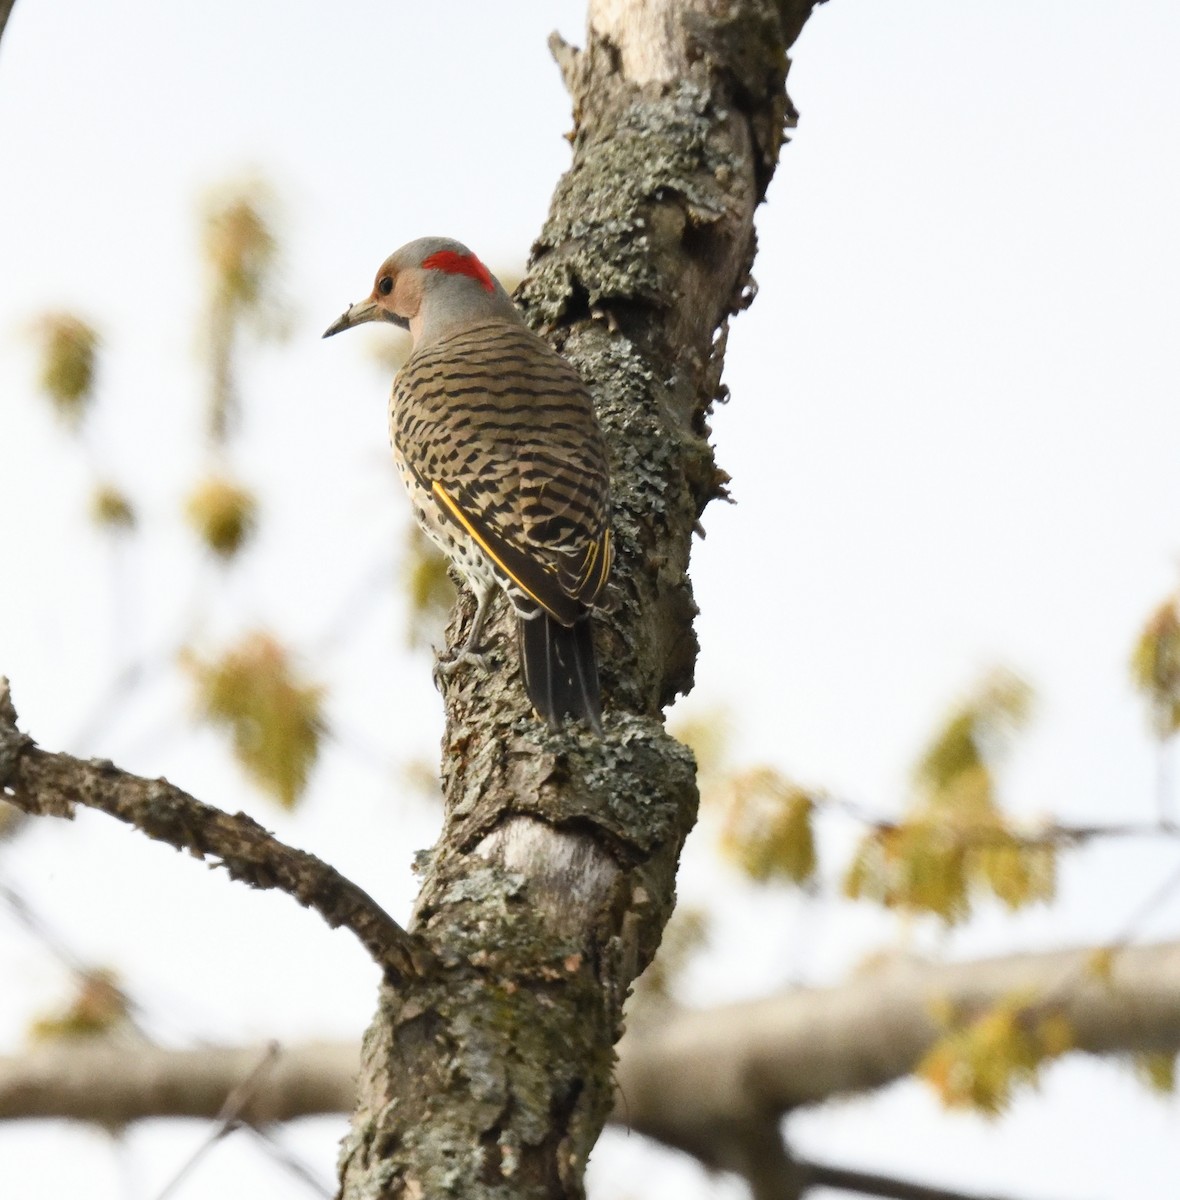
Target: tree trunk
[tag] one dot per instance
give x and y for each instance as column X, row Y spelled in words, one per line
column 490, row 1075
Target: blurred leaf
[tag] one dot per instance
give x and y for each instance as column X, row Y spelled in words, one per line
column 976, row 733
column 69, row 350
column 767, row 829
column 111, row 509
column 239, row 245
column 916, row 866
column 98, row 1006
column 1157, row 1070
column 276, row 719
column 223, row 514
column 932, row 862
column 241, row 253
column 1100, row 964
column 978, row 1064
column 420, row 775
column 1155, row 667
column 955, row 839
column 707, row 733
column 1018, row 873
column 684, row 935
column 431, row 592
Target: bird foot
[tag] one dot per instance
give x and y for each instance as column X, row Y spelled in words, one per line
column 446, row 665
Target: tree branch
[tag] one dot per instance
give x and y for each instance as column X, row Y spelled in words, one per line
column 682, row 1079
column 46, row 784
column 697, row 1071
column 113, row 1083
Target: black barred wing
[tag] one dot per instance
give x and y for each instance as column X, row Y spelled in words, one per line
column 500, row 430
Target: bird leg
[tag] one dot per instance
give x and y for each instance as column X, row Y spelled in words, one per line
column 467, row 653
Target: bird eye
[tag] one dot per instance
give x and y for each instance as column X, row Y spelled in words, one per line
column 385, row 286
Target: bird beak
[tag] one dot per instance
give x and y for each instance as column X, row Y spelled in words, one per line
column 358, row 314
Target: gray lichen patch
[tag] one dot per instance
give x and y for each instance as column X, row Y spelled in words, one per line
column 610, row 221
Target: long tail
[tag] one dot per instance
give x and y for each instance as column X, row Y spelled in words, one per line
column 560, row 671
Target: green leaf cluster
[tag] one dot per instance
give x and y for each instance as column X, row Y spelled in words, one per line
column 955, row 840
column 430, row 590
column 275, row 718
column 98, row 1005
column 768, row 828
column 978, row 1063
column 111, row 509
column 69, row 350
column 1155, row 667
column 239, row 247
column 1157, row 1070
column 223, row 514
column 684, row 935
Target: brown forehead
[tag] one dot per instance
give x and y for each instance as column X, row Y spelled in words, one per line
column 388, row 270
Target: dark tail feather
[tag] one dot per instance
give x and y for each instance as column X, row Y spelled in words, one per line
column 560, row 672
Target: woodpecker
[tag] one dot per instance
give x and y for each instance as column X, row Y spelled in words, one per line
column 495, row 439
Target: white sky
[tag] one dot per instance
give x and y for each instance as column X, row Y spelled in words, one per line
column 953, row 437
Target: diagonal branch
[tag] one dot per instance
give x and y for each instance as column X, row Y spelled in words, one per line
column 47, row 784
column 697, row 1069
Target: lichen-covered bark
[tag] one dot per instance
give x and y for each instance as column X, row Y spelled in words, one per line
column 555, row 872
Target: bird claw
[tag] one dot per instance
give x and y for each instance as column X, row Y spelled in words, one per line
column 446, row 666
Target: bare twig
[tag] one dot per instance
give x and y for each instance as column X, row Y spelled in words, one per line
column 82, row 971
column 867, row 1183
column 1118, row 945
column 229, row 1118
column 47, row 784
column 373, row 585
column 284, row 1157
column 1055, row 834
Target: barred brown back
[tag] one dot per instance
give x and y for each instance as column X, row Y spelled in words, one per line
column 499, row 429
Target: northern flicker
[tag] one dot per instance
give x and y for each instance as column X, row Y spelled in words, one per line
column 495, row 438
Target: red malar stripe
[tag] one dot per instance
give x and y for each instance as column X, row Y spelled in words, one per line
column 460, row 264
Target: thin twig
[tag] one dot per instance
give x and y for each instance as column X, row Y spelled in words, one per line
column 229, row 1118
column 285, row 1157
column 82, row 971
column 375, row 583
column 48, row 784
column 869, row 1183
column 1051, row 835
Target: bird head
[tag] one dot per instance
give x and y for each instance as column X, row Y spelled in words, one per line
column 431, row 287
